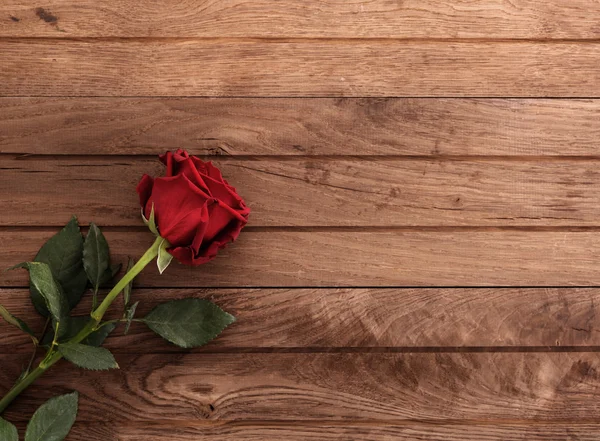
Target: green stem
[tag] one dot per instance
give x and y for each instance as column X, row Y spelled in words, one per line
column 35, row 347
column 19, row 387
column 26, row 381
column 52, row 357
column 148, row 257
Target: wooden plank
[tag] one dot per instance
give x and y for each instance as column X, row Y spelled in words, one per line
column 300, row 126
column 359, row 259
column 320, row 192
column 298, row 68
column 357, row 318
column 573, row 19
column 491, row 387
column 332, row 431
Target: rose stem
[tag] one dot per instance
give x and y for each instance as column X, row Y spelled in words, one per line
column 52, row 356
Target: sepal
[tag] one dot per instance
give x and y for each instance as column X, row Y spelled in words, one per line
column 164, row 257
column 150, row 223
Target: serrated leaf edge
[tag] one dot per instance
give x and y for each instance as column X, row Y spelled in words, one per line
column 116, row 365
column 230, row 320
column 73, row 394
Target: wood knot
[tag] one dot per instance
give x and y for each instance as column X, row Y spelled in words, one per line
column 45, row 15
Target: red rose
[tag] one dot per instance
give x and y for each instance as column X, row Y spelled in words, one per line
column 195, row 209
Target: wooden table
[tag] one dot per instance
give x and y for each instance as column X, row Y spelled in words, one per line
column 423, row 253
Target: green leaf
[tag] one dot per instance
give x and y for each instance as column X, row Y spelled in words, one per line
column 129, row 287
column 110, row 273
column 12, row 320
column 72, row 326
column 54, row 419
column 189, row 322
column 41, row 278
column 128, row 316
column 97, row 337
column 88, row 357
column 150, row 223
column 8, row 432
column 96, row 258
column 164, row 257
column 38, row 300
column 63, row 253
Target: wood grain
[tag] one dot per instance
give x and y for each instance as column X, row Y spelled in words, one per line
column 386, row 387
column 386, row 319
column 359, row 259
column 324, row 19
column 308, row 192
column 300, row 126
column 298, row 68
column 360, row 182
column 332, row 431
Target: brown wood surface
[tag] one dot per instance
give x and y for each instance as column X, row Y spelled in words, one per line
column 535, row 19
column 491, row 387
column 313, row 126
column 358, row 319
column 465, row 257
column 334, row 431
column 321, row 192
column 250, row 67
column 397, row 155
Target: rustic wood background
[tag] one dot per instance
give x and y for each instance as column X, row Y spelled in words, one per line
column 423, row 256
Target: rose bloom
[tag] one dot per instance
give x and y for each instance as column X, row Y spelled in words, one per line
column 195, row 209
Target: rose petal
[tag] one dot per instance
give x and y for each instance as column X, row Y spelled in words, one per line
column 167, row 159
column 195, row 208
column 172, row 160
column 213, row 172
column 228, row 235
column 188, row 227
column 186, row 256
column 200, row 164
column 144, row 190
column 220, row 216
column 223, row 193
column 175, row 198
column 188, row 168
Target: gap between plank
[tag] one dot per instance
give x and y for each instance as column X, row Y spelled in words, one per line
column 198, row 423
column 279, row 40
column 376, row 350
column 309, row 97
column 345, row 287
column 341, row 229
column 364, row 350
column 321, row 158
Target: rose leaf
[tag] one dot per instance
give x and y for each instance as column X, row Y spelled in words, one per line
column 42, row 280
column 8, row 432
column 54, row 419
column 17, row 322
column 96, row 257
column 188, row 323
column 88, row 357
column 63, row 253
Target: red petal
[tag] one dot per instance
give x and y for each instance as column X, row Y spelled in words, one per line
column 188, row 168
column 167, row 159
column 172, row 160
column 175, row 200
column 187, row 228
column 144, row 190
column 186, row 256
column 220, row 216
